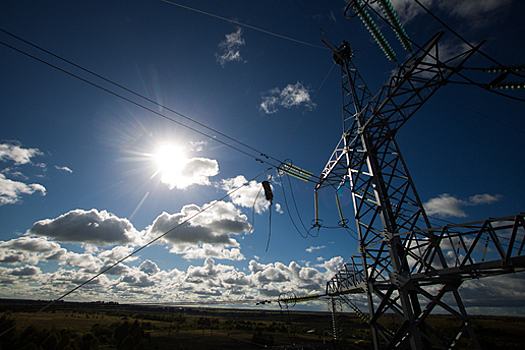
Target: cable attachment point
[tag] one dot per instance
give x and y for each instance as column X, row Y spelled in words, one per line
column 287, row 300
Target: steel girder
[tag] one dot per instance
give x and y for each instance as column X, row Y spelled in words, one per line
column 474, row 250
column 368, row 160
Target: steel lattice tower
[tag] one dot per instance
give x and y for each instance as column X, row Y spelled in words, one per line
column 403, row 265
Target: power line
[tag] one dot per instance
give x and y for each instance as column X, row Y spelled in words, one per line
column 304, row 112
column 483, row 115
column 314, row 22
column 135, row 94
column 188, row 219
column 472, row 46
column 242, row 24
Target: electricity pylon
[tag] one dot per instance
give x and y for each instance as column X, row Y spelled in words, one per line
column 403, row 265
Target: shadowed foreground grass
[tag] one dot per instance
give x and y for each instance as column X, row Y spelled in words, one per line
column 79, row 329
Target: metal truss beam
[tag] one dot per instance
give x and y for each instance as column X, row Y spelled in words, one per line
column 399, row 258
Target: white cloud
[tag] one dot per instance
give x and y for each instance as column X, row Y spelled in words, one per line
column 312, row 248
column 149, row 268
column 11, row 191
column 208, row 270
column 499, row 291
column 407, row 10
column 231, row 48
column 29, row 250
column 137, row 279
column 249, row 196
column 294, row 95
column 290, row 96
column 197, row 146
column 446, row 205
column 14, row 152
column 94, row 227
column 26, row 271
column 270, row 101
column 14, row 173
column 483, row 199
column 84, row 261
column 235, row 278
column 213, row 226
column 63, row 168
column 195, row 171
column 465, row 8
column 117, row 253
column 210, row 251
column 332, row 266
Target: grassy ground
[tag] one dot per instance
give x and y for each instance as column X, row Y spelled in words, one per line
column 189, row 333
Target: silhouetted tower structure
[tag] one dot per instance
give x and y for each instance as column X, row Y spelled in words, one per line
column 403, row 265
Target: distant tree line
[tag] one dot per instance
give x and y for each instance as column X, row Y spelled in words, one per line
column 119, row 335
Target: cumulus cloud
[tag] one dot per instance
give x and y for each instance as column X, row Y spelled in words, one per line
column 213, row 226
column 25, row 271
column 11, row 191
column 446, row 205
column 250, row 195
column 486, row 293
column 19, row 155
column 290, row 96
column 117, row 253
column 149, row 268
column 332, row 266
column 138, row 280
column 94, row 227
column 195, row 171
column 84, row 261
column 29, row 250
column 235, row 278
column 231, row 48
column 63, row 280
column 203, row 251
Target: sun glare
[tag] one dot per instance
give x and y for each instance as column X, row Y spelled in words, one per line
column 170, row 161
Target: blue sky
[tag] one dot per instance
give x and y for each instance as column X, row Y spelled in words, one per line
column 83, row 182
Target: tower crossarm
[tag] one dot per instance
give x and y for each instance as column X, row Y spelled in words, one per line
column 474, row 250
column 412, row 85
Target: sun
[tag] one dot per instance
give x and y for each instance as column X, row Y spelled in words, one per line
column 170, row 161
